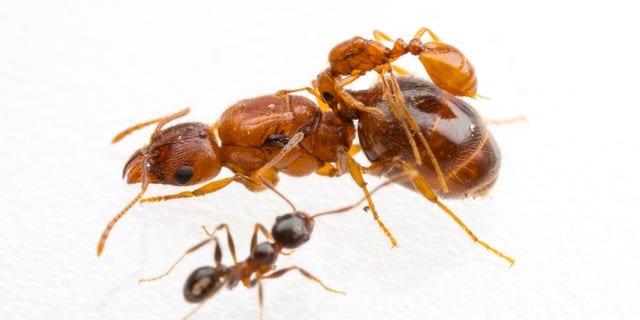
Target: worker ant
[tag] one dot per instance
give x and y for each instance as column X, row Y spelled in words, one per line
column 258, row 138
column 289, row 231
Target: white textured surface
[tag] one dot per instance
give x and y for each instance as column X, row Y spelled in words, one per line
column 73, row 74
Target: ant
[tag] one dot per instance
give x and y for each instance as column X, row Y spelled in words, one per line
column 289, row 231
column 447, row 66
column 255, row 138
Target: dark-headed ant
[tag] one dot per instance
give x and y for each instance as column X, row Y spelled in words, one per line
column 289, row 231
column 258, row 138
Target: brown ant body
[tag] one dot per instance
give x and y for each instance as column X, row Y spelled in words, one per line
column 462, row 144
column 289, row 231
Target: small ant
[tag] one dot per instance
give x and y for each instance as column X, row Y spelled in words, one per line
column 258, row 138
column 289, row 231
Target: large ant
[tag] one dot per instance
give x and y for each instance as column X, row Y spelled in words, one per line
column 258, row 137
column 289, row 231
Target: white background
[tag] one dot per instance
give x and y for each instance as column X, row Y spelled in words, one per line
column 72, row 74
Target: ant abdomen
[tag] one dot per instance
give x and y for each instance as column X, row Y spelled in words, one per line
column 462, row 145
column 200, row 283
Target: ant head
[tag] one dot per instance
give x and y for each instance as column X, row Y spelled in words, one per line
column 184, row 154
column 292, row 230
column 200, row 283
column 326, row 84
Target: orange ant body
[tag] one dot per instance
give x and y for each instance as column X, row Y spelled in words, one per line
column 289, row 231
column 259, row 138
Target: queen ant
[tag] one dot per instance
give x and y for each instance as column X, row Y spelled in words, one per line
column 289, row 231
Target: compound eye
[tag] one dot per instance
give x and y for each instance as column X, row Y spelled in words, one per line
column 327, row 96
column 183, row 175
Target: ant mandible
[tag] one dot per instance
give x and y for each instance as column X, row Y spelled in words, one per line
column 289, row 231
column 446, row 65
column 259, row 137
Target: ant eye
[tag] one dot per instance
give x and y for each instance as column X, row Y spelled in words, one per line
column 183, row 175
column 327, row 96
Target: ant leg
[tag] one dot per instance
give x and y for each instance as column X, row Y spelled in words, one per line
column 309, row 276
column 282, row 93
column 254, row 237
column 329, row 170
column 260, row 299
column 397, row 92
column 319, row 100
column 190, row 250
column 355, row 170
column 421, row 32
column 232, row 247
column 161, row 122
column 400, row 71
column 350, row 100
column 495, row 122
column 391, row 180
column 423, row 187
column 381, row 36
column 207, row 188
column 396, row 113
